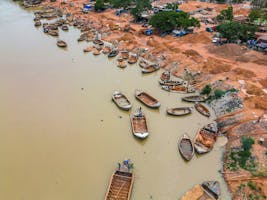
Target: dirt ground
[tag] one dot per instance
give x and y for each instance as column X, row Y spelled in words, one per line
column 195, row 52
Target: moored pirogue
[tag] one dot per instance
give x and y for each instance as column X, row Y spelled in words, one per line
column 61, row 43
column 121, row 100
column 208, row 190
column 139, row 124
column 202, row 109
column 186, row 147
column 132, row 58
column 195, row 98
column 180, row 111
column 121, row 182
column 147, row 99
column 206, row 138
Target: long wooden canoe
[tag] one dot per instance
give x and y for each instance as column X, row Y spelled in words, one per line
column 61, row 43
column 208, row 190
column 120, row 185
column 139, row 124
column 186, row 147
column 206, row 138
column 180, row 111
column 170, row 82
column 165, row 76
column 212, row 188
column 121, row 100
column 147, row 99
column 195, row 98
column 175, row 88
column 132, row 58
column 202, row 109
column 150, row 68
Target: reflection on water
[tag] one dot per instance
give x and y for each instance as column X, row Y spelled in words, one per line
column 59, row 141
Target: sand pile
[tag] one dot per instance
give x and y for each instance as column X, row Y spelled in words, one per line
column 258, row 102
column 244, row 73
column 215, row 66
column 253, row 89
column 202, row 37
column 263, row 82
column 227, row 50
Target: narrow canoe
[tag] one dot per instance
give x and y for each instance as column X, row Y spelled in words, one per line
column 99, row 42
column 150, row 68
column 139, row 124
column 106, row 50
column 122, row 63
column 147, row 99
column 181, row 111
column 124, row 54
column 206, row 138
column 96, row 52
column 132, row 59
column 186, row 147
column 113, row 53
column 212, row 188
column 170, row 82
column 175, row 88
column 195, row 98
column 120, row 185
column 61, row 43
column 202, row 109
column 121, row 100
column 165, row 76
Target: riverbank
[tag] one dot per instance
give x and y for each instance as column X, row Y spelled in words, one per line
column 194, row 52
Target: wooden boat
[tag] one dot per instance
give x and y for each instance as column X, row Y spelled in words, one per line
column 106, row 50
column 175, row 88
column 61, row 43
column 139, row 124
column 208, row 190
column 121, row 100
column 165, row 76
column 96, row 52
column 150, row 68
column 186, row 147
column 64, row 27
column 88, row 49
column 132, row 58
column 53, row 33
column 113, row 53
column 121, row 183
column 181, row 111
column 212, row 188
column 147, row 99
column 143, row 63
column 202, row 109
column 206, row 138
column 195, row 98
column 170, row 82
column 124, row 54
column 121, row 63
column 99, row 42
column 37, row 23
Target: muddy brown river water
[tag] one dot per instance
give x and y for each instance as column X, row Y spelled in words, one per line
column 59, row 142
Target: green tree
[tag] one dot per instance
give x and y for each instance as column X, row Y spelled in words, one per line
column 257, row 13
column 169, row 20
column 259, row 3
column 236, row 31
column 121, row 3
column 206, row 90
column 99, row 5
column 140, row 7
column 226, row 14
column 172, row 6
column 218, row 93
column 247, row 143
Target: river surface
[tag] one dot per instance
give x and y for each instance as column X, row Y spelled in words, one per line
column 61, row 142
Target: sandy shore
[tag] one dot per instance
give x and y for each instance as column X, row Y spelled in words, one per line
column 231, row 63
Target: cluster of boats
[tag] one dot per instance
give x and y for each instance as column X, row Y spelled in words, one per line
column 121, row 184
column 204, row 139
